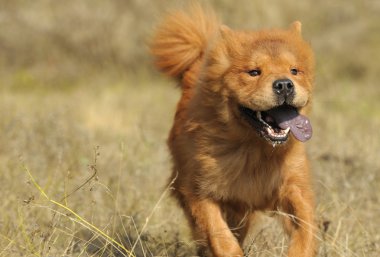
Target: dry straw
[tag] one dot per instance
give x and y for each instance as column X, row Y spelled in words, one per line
column 80, row 220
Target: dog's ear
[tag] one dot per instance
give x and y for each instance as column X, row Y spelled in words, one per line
column 296, row 27
column 228, row 36
column 231, row 40
column 225, row 31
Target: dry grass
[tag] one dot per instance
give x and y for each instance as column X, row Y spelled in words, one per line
column 78, row 95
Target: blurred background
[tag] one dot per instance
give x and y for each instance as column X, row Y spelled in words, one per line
column 83, row 110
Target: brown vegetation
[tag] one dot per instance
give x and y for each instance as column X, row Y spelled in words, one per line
column 75, row 75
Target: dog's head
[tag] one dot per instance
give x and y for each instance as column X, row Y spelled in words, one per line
column 268, row 76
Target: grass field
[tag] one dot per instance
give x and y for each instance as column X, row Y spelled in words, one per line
column 84, row 116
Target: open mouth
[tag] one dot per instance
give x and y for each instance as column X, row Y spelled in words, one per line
column 277, row 123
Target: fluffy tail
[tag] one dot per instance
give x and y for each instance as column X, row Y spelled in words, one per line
column 182, row 39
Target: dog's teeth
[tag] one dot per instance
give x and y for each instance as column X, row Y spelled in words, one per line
column 287, row 130
column 258, row 115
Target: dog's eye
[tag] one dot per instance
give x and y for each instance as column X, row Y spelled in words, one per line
column 254, row 73
column 294, row 71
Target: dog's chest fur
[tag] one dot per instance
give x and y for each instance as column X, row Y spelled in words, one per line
column 240, row 173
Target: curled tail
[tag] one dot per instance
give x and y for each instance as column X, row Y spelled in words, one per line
column 182, row 39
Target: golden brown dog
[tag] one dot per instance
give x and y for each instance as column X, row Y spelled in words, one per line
column 238, row 133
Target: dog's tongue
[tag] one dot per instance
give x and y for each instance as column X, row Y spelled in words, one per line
column 288, row 117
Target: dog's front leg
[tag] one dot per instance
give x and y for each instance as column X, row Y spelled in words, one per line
column 213, row 229
column 299, row 220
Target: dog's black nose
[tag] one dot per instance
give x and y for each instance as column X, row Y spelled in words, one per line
column 283, row 87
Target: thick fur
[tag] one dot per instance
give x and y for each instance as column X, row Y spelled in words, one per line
column 224, row 171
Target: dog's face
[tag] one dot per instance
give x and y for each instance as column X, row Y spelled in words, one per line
column 269, row 78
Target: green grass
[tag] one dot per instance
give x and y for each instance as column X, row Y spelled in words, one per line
column 84, row 98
